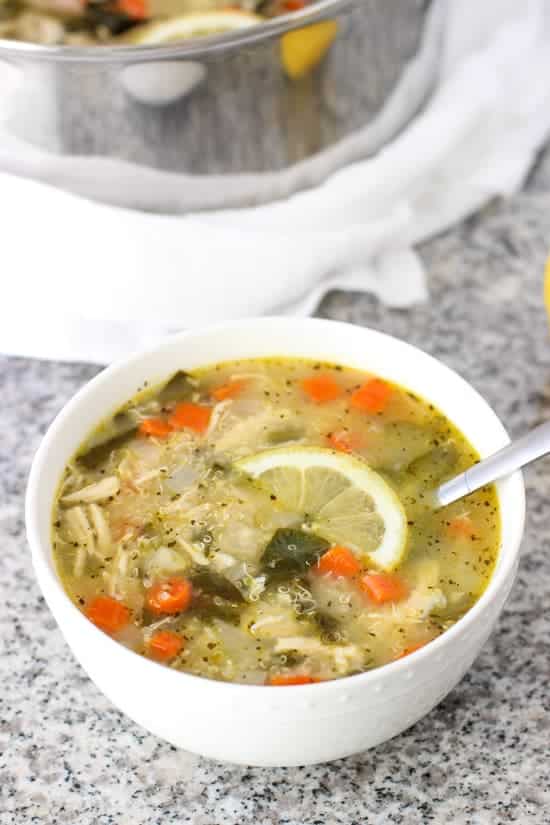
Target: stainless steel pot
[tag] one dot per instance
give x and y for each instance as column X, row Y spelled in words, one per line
column 219, row 105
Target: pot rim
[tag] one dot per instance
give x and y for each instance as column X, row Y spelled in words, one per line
column 195, row 48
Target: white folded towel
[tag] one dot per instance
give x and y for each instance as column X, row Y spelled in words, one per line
column 89, row 281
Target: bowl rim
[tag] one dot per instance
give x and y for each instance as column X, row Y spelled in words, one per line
column 202, row 47
column 49, row 580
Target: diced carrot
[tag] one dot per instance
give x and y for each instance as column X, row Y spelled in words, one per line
column 287, row 681
column 294, row 5
column 321, row 388
column 383, row 587
column 345, row 442
column 108, row 614
column 230, row 390
column 164, row 645
column 136, row 9
column 410, row 649
column 157, row 427
column 169, row 595
column 192, row 416
column 339, row 561
column 372, row 396
column 461, row 527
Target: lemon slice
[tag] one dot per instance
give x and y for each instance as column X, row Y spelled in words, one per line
column 174, row 29
column 302, row 50
column 339, row 497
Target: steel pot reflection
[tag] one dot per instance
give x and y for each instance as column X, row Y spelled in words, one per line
column 220, row 105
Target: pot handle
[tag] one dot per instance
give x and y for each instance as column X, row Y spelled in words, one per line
column 162, row 82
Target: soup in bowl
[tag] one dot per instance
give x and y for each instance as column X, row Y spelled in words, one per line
column 234, row 513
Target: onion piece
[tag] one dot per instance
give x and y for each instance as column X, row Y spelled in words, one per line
column 182, row 479
column 131, row 636
column 166, row 560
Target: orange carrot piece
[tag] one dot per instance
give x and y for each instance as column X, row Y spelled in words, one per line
column 164, row 645
column 136, row 9
column 156, row 427
column 410, row 649
column 169, row 595
column 230, row 390
column 461, row 527
column 345, row 442
column 287, row 681
column 192, row 416
column 339, row 561
column 108, row 614
column 372, row 397
column 383, row 587
column 294, row 5
column 321, row 388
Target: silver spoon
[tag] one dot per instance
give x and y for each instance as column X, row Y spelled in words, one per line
column 526, row 449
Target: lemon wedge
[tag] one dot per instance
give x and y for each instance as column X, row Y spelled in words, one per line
column 339, row 497
column 302, row 50
column 547, row 287
column 174, row 29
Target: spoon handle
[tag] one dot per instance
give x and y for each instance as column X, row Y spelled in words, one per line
column 526, row 449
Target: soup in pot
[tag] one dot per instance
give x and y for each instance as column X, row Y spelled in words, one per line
column 271, row 522
column 138, row 22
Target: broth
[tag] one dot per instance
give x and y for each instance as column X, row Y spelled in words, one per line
column 270, row 522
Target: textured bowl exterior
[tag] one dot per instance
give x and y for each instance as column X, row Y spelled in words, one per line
column 262, row 725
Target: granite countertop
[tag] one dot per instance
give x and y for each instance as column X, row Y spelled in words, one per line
column 482, row 756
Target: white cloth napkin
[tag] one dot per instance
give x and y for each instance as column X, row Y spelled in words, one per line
column 88, row 281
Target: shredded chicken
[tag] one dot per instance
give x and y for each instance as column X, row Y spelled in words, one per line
column 79, row 528
column 217, row 416
column 99, row 491
column 101, row 528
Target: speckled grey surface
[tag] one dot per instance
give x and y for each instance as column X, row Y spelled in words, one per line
column 482, row 756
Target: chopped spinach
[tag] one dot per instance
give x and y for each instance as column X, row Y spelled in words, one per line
column 215, row 598
column 213, row 585
column 291, row 659
column 121, row 429
column 291, row 551
column 98, row 14
column 177, row 388
column 207, row 609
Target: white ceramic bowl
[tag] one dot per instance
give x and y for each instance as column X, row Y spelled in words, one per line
column 259, row 725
